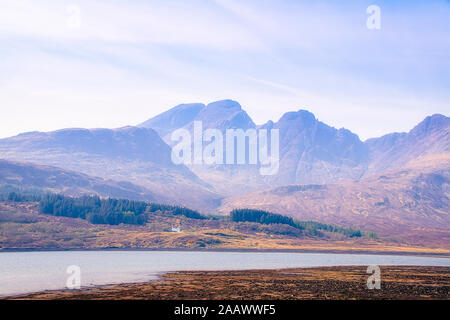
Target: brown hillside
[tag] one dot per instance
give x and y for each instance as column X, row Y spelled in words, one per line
column 409, row 204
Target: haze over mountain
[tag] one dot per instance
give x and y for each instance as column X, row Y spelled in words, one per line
column 311, row 153
column 409, row 204
column 175, row 118
column 397, row 185
column 221, row 115
column 137, row 155
column 430, row 137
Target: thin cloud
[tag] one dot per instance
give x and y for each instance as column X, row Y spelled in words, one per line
column 272, row 56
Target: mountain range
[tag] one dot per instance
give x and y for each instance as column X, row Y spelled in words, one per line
column 326, row 174
column 311, row 152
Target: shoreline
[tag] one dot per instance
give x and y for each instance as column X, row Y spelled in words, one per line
column 338, row 282
column 182, row 249
column 158, row 277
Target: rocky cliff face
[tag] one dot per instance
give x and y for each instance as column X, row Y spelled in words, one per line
column 312, row 152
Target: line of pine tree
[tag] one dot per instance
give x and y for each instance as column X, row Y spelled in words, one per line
column 108, row 211
column 314, row 228
column 260, row 216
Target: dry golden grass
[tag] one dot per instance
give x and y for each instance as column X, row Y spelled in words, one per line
column 49, row 232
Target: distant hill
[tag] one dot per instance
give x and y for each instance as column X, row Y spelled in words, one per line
column 126, row 143
column 133, row 154
column 53, row 179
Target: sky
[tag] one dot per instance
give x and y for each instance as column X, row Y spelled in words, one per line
column 110, row 63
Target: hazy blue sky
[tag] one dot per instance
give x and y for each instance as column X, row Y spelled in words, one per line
column 127, row 61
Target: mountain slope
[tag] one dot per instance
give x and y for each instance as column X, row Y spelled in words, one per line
column 430, row 137
column 312, row 152
column 48, row 178
column 225, row 114
column 409, row 204
column 227, row 179
column 133, row 154
column 221, row 115
column 175, row 118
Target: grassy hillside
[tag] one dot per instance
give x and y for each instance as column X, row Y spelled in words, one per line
column 406, row 205
column 22, row 226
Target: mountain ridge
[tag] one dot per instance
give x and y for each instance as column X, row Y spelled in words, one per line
column 313, row 152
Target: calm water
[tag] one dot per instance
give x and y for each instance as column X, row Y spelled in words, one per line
column 25, row 272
